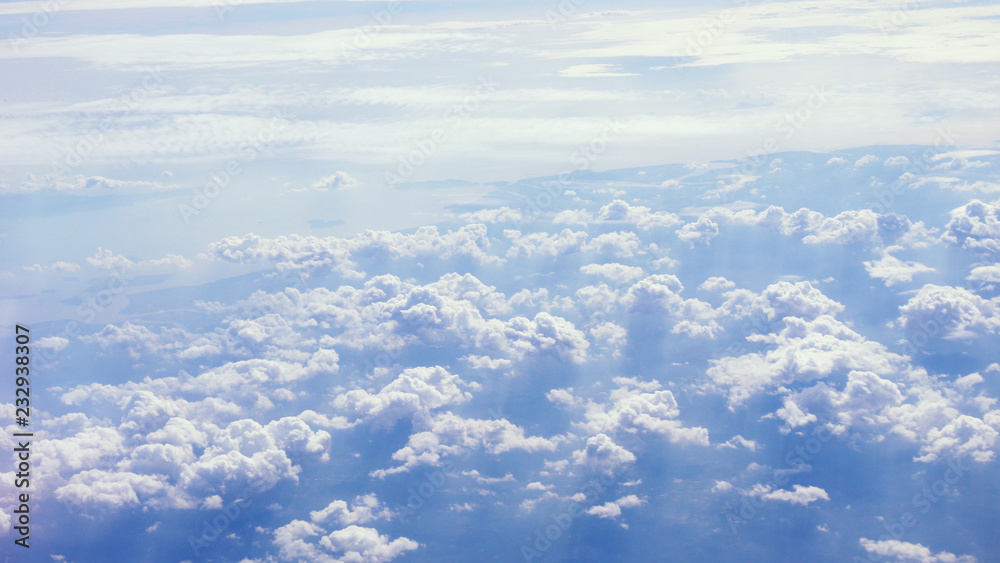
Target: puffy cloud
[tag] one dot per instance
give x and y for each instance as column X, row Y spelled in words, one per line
column 660, row 293
column 337, row 181
column 722, row 487
column 467, row 287
column 616, row 245
column 610, row 336
column 863, row 401
column 614, row 509
column 498, row 215
column 865, row 160
column 334, row 254
column 573, row 217
column 802, row 351
column 96, row 487
column 954, row 312
column 243, row 456
column 964, row 435
column 642, row 217
column 985, row 274
column 363, row 509
column 853, row 226
column 786, row 299
column 291, row 542
column 893, row 270
column 716, row 283
column 699, row 232
column 416, row 390
column 904, row 552
column 976, row 227
column 619, row 273
column 798, row 495
column 638, row 406
column 847, row 227
column 602, row 454
column 105, row 259
column 357, row 544
column 544, row 244
column 448, row 434
column 59, row 268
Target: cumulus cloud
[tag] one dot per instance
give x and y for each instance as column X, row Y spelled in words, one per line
column 416, row 390
column 447, row 434
column 975, row 227
column 363, row 509
column 798, row 495
column 716, row 283
column 619, row 273
column 544, row 244
column 892, row 270
column 642, row 217
column 637, row 406
column 801, row 351
column 336, row 181
column 905, row 552
column 952, row 312
column 699, row 232
column 602, row 454
column 613, row 509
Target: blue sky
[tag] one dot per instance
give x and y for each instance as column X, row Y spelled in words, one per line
column 432, row 281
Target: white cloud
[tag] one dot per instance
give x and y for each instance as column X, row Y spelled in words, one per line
column 619, row 273
column 565, row 242
column 905, row 552
column 614, row 509
column 366, row 545
column 642, row 217
column 602, row 454
column 798, row 495
column 893, row 270
column 447, row 434
column 638, row 406
column 699, row 232
column 416, row 390
column 336, row 181
column 952, row 312
column 801, row 351
column 363, row 509
column 716, row 283
column 976, row 227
